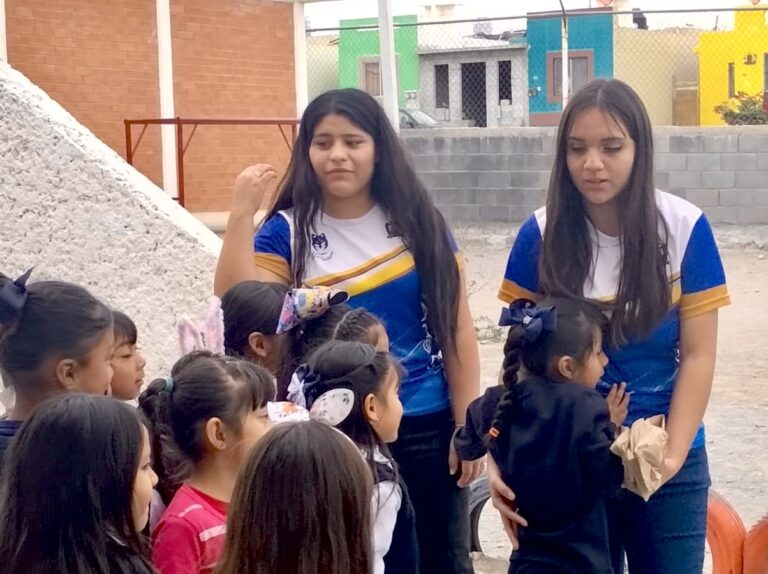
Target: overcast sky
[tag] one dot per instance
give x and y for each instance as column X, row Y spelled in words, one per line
column 326, row 14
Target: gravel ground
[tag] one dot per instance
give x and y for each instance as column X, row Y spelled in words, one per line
column 737, row 417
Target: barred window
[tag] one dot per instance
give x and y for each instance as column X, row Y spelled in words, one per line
column 442, row 91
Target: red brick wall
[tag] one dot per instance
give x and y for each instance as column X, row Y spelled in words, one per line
column 97, row 59
column 232, row 58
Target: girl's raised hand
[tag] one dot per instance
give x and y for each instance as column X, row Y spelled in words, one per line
column 618, row 403
column 254, row 189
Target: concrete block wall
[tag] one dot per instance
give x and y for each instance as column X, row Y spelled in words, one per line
column 502, row 174
column 73, row 209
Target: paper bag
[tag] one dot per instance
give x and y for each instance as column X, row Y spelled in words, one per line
column 641, row 449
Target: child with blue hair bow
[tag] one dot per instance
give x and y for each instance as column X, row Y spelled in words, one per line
column 549, row 432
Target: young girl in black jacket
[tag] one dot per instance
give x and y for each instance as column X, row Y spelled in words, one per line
column 549, row 431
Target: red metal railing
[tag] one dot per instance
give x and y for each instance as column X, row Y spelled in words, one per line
column 181, row 145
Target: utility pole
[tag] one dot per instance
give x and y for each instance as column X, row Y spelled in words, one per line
column 566, row 67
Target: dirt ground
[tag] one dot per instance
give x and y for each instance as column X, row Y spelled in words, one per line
column 737, row 418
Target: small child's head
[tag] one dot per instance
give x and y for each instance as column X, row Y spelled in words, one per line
column 363, row 326
column 212, row 406
column 127, row 362
column 374, row 378
column 559, row 339
column 302, row 505
column 251, row 312
column 54, row 336
column 339, row 322
column 77, row 483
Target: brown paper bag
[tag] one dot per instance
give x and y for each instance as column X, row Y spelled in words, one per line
column 641, row 449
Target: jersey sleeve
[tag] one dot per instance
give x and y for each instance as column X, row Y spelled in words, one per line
column 702, row 279
column 456, row 251
column 469, row 440
column 521, row 277
column 272, row 247
column 175, row 548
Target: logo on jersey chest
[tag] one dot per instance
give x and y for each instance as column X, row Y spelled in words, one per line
column 320, row 247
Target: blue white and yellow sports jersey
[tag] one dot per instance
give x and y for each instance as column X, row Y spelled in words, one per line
column 648, row 366
column 365, row 258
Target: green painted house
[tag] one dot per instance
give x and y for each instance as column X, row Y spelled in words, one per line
column 359, row 56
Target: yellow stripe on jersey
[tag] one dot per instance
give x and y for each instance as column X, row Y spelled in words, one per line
column 275, row 264
column 381, row 277
column 675, row 292
column 510, row 291
column 704, row 301
column 460, row 261
column 335, row 278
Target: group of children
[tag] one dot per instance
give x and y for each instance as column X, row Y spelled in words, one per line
column 199, row 470
column 86, row 476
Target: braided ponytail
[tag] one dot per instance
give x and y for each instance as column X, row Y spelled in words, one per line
column 510, row 370
column 356, row 325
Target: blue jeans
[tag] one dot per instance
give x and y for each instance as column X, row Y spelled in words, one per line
column 667, row 534
column 441, row 507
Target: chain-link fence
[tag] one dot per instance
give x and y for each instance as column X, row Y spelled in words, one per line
column 691, row 68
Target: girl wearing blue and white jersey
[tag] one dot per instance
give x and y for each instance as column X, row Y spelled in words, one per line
column 607, row 235
column 352, row 214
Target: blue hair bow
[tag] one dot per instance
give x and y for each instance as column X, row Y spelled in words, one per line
column 13, row 296
column 534, row 320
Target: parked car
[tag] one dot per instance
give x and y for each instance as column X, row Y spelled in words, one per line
column 415, row 119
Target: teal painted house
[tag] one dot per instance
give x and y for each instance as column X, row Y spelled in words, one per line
column 590, row 45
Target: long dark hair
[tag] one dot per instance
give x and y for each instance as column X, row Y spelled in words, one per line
column 250, row 307
column 643, row 294
column 66, row 502
column 202, row 386
column 58, row 319
column 302, row 504
column 395, row 187
column 578, row 323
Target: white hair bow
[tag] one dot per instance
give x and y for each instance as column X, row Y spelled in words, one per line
column 331, row 408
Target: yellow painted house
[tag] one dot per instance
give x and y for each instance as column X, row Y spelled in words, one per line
column 731, row 62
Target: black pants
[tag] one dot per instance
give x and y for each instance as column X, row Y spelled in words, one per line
column 442, row 508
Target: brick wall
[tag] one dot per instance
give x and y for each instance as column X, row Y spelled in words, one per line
column 502, row 174
column 231, row 59
column 97, row 59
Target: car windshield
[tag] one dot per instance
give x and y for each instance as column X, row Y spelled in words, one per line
column 423, row 118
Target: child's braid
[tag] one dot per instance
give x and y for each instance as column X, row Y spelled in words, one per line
column 510, row 370
column 353, row 325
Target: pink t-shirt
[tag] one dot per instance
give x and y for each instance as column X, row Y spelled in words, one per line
column 189, row 538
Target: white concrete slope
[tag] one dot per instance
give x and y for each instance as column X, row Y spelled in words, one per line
column 75, row 210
